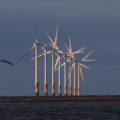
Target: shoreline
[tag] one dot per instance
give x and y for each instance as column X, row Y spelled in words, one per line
column 88, row 98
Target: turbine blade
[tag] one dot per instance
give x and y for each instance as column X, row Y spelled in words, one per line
column 61, row 66
column 39, row 59
column 77, row 52
column 67, row 48
column 8, row 62
column 51, row 40
column 73, row 57
column 81, row 74
column 43, row 53
column 85, row 58
column 80, row 50
column 56, row 36
column 73, row 65
column 60, row 51
column 84, row 66
column 56, row 54
column 57, row 62
column 51, row 45
column 90, row 60
column 56, row 47
column 70, row 46
column 48, row 52
column 25, row 54
column 31, row 59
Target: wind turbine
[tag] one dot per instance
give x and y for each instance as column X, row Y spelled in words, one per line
column 54, row 45
column 35, row 46
column 80, row 65
column 71, row 55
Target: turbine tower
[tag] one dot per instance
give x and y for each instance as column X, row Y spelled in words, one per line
column 36, row 68
column 35, row 46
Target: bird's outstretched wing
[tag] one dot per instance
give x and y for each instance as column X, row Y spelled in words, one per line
column 6, row 61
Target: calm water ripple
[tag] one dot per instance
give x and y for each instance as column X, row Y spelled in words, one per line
column 60, row 111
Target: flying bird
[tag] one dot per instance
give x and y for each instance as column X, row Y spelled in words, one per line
column 6, row 61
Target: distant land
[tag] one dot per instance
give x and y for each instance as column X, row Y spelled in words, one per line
column 89, row 98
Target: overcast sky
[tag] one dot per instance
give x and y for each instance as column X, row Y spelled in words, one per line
column 91, row 23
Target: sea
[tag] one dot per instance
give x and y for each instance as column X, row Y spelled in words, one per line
column 60, row 110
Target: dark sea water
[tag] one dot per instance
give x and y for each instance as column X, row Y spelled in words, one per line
column 60, row 111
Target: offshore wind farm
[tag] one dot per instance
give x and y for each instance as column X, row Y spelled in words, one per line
column 63, row 58
column 67, row 62
column 59, row 60
column 70, row 63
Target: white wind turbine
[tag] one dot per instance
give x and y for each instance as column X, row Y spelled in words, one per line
column 80, row 65
column 35, row 46
column 71, row 55
column 54, row 45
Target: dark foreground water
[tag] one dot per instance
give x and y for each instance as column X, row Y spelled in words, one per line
column 60, row 111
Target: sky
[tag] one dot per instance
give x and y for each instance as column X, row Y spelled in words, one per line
column 91, row 23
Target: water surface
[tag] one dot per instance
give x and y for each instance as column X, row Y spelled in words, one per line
column 61, row 111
